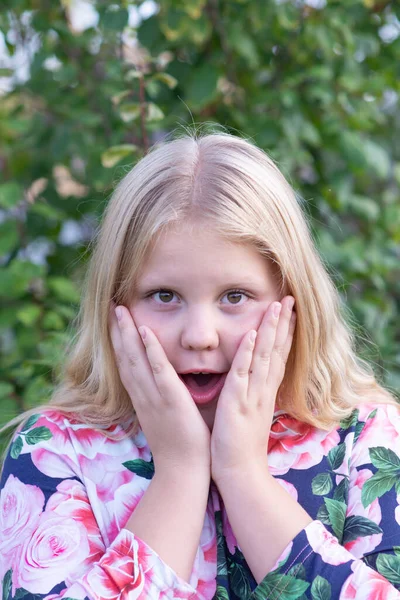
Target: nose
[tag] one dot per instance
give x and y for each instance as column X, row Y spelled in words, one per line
column 199, row 331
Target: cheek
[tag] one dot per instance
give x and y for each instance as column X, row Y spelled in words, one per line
column 143, row 316
column 234, row 333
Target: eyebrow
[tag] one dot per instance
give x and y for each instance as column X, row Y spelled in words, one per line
column 162, row 282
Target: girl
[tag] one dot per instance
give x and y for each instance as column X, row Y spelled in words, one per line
column 215, row 435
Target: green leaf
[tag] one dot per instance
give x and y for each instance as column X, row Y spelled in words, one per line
column 64, row 289
column 202, row 86
column 29, row 314
column 128, row 112
column 113, row 155
column 280, row 587
column 337, row 514
column 298, row 570
column 21, row 592
column 8, row 236
column 384, row 459
column 114, row 18
column 154, row 112
column 221, row 594
column 321, row 484
column 380, row 483
column 350, row 420
column 358, row 429
column 341, row 491
column 239, row 581
column 336, row 456
column 377, row 158
column 389, row 567
column 38, row 434
column 6, row 389
column 364, row 207
column 356, row 526
column 16, row 447
column 170, row 81
column 10, row 194
column 320, row 589
column 140, row 467
column 33, row 419
column 7, row 580
column 52, row 320
column 323, row 515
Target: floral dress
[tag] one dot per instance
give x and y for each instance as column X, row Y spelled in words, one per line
column 67, row 492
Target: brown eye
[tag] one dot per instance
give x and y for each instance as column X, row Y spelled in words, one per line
column 165, row 296
column 234, row 297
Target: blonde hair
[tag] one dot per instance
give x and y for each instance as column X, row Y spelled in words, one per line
column 239, row 189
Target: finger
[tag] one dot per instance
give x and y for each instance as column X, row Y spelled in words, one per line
column 115, row 337
column 130, row 338
column 261, row 363
column 237, row 380
column 133, row 364
column 283, row 341
column 164, row 374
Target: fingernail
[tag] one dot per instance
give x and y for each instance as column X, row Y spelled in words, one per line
column 277, row 309
column 253, row 335
column 118, row 313
column 290, row 304
column 142, row 332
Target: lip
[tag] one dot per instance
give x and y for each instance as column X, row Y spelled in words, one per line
column 200, row 370
column 212, row 394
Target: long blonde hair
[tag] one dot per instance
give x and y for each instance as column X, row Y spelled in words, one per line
column 245, row 197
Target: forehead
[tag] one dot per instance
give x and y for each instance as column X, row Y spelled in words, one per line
column 187, row 251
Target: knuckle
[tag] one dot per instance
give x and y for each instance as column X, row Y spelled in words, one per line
column 119, row 359
column 280, row 351
column 265, row 358
column 156, row 367
column 242, row 373
column 133, row 360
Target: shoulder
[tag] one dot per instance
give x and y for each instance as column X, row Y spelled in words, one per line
column 370, row 416
column 60, row 445
column 53, row 429
column 374, row 426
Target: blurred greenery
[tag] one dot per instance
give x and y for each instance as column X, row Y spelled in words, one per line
column 315, row 84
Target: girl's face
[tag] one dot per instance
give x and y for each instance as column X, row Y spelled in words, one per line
column 200, row 294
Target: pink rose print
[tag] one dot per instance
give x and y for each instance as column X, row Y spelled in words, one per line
column 20, row 508
column 367, row 584
column 381, row 430
column 70, row 501
column 93, row 447
column 326, row 545
column 295, row 445
column 362, row 545
column 121, row 571
column 123, row 502
column 55, row 549
column 204, row 568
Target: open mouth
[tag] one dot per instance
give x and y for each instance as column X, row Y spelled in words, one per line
column 204, row 387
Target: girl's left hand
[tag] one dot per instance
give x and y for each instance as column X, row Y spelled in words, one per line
column 246, row 404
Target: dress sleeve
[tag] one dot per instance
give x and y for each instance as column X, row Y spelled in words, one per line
column 355, row 552
column 50, row 543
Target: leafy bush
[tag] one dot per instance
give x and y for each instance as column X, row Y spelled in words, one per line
column 316, row 87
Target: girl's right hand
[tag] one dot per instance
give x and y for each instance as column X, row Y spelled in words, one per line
column 176, row 433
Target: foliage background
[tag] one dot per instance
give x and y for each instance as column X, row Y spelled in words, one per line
column 315, row 83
